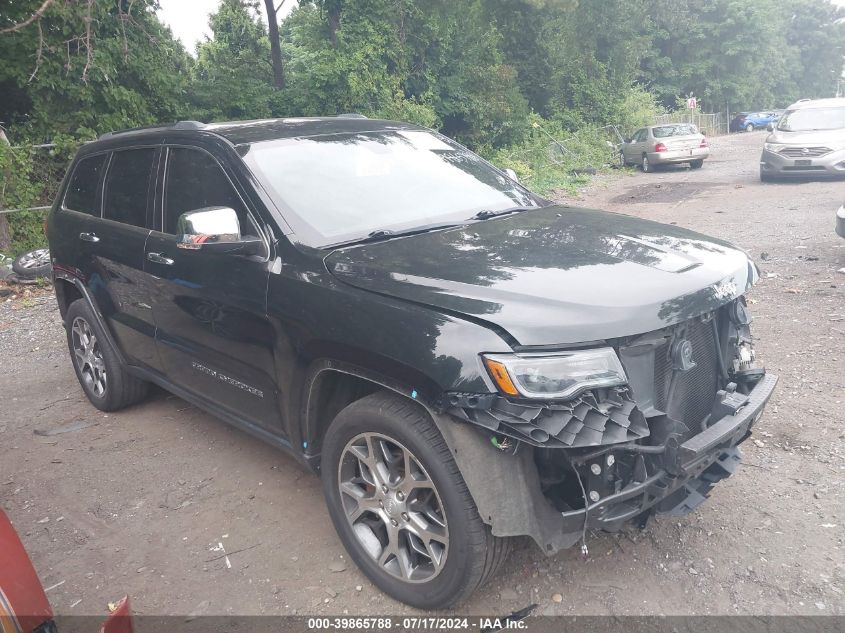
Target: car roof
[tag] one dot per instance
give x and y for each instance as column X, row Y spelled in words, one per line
column 806, row 104
column 259, row 130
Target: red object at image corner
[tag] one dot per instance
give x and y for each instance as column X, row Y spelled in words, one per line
column 24, row 607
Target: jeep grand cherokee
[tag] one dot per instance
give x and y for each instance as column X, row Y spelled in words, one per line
column 461, row 361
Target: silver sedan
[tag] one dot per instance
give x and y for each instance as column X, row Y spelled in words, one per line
column 664, row 145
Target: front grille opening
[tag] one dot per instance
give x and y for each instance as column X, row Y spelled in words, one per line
column 805, row 152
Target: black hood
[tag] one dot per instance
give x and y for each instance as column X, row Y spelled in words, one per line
column 556, row 275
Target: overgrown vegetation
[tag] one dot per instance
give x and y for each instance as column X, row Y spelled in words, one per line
column 531, row 84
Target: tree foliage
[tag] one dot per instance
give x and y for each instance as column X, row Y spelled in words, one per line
column 474, row 68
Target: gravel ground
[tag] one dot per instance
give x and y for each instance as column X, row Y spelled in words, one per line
column 141, row 501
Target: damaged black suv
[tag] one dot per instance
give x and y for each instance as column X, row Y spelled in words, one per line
column 462, row 361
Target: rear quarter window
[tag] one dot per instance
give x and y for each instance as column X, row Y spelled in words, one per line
column 81, row 194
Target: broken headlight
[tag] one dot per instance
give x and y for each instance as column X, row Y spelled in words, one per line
column 552, row 376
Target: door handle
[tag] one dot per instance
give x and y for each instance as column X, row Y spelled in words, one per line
column 89, row 237
column 158, row 258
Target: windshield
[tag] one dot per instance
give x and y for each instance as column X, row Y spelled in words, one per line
column 342, row 187
column 813, row 119
column 681, row 129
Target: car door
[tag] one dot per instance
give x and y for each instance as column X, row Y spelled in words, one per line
column 210, row 307
column 630, row 149
column 114, row 269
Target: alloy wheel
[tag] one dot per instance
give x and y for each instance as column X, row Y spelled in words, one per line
column 88, row 357
column 34, row 259
column 393, row 507
column 646, row 164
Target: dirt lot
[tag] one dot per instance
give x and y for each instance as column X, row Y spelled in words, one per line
column 139, row 502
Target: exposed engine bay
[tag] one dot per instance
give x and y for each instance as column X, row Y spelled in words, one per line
column 657, row 444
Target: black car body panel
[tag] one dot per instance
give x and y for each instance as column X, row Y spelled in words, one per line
column 279, row 340
column 556, row 275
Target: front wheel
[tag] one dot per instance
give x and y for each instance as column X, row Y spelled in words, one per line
column 697, row 164
column 401, row 507
column 622, row 162
column 749, row 127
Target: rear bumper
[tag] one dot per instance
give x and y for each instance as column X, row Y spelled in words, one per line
column 688, row 473
column 829, row 165
column 840, row 221
column 678, row 156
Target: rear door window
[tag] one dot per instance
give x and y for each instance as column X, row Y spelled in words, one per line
column 82, row 191
column 127, row 185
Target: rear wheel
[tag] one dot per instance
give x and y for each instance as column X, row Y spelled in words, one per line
column 102, row 376
column 401, row 507
column 646, row 164
column 749, row 127
column 697, row 164
column 622, row 162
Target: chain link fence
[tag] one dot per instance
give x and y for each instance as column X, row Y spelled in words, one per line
column 711, row 124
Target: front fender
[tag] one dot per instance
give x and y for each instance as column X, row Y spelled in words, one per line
column 505, row 487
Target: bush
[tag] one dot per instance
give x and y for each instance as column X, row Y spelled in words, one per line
column 552, row 159
column 31, row 177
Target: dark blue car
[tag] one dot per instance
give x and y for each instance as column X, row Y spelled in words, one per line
column 750, row 121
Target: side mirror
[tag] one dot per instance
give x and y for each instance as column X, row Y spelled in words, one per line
column 511, row 174
column 215, row 229
column 770, row 127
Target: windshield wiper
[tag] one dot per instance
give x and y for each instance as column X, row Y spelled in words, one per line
column 380, row 235
column 486, row 214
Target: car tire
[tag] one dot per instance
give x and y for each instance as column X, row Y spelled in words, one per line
column 646, row 165
column 460, row 553
column 101, row 375
column 764, row 177
column 33, row 264
column 622, row 162
column 749, row 127
column 697, row 164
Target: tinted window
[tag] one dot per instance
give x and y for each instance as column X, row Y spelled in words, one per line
column 82, row 191
column 195, row 181
column 127, row 184
column 345, row 186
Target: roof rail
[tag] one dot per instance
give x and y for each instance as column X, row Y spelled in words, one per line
column 179, row 125
column 351, row 115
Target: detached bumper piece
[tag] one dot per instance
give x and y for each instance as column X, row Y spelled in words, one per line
column 588, row 420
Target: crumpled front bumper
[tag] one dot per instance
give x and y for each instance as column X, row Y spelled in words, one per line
column 688, row 473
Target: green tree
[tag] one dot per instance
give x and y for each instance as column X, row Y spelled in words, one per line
column 82, row 67
column 233, row 75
